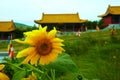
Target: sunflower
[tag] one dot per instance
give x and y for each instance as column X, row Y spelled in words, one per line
column 44, row 46
column 3, row 76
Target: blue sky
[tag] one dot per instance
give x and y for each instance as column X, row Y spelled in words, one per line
column 26, row 11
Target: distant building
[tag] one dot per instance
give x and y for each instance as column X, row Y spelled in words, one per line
column 6, row 29
column 63, row 22
column 112, row 15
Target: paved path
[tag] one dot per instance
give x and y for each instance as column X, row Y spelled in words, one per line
column 3, row 55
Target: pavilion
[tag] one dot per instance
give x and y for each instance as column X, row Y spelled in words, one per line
column 62, row 22
column 6, row 29
column 111, row 16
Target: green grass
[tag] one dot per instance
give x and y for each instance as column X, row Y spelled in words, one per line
column 17, row 46
column 96, row 54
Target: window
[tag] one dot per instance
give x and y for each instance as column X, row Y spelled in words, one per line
column 116, row 19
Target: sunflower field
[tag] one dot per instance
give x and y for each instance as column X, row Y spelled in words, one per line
column 91, row 56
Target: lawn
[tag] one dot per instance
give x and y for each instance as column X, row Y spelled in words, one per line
column 96, row 55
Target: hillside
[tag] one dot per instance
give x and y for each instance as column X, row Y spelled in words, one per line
column 18, row 25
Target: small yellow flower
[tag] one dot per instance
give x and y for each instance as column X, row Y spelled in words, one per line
column 31, row 77
column 44, row 46
column 2, row 66
column 2, row 75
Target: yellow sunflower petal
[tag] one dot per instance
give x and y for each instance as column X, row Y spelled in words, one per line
column 52, row 33
column 48, row 58
column 44, row 29
column 59, row 48
column 30, row 40
column 44, row 60
column 57, row 40
column 26, row 41
column 53, row 55
column 27, row 59
column 34, row 60
column 35, row 36
column 56, row 51
column 43, row 35
column 40, row 27
column 57, row 44
column 3, row 76
column 2, row 66
column 25, row 52
column 36, row 33
column 32, row 36
column 19, row 41
column 27, row 33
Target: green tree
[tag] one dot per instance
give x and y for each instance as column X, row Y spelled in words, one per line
column 18, row 33
column 34, row 27
column 100, row 24
column 91, row 24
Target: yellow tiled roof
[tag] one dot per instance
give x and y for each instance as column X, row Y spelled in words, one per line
column 60, row 18
column 115, row 10
column 7, row 26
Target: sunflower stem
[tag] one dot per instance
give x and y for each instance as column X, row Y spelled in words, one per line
column 38, row 70
column 15, row 66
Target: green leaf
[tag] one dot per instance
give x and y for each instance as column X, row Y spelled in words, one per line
column 14, row 67
column 63, row 63
column 19, row 75
column 30, row 67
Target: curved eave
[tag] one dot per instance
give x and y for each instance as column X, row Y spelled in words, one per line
column 103, row 15
column 7, row 30
column 37, row 21
column 43, row 22
column 83, row 21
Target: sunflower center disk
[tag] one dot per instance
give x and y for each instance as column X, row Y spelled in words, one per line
column 44, row 48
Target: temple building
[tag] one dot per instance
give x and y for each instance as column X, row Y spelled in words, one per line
column 62, row 22
column 6, row 29
column 111, row 16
